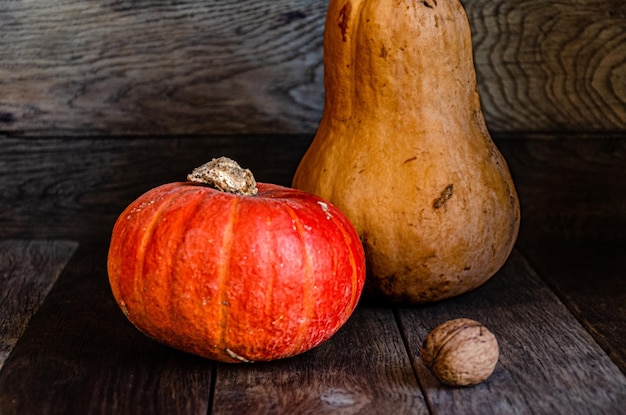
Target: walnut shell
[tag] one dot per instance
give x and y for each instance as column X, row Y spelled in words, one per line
column 460, row 352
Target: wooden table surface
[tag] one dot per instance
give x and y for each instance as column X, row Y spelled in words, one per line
column 557, row 307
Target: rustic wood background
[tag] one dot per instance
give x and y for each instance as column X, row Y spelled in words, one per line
column 159, row 67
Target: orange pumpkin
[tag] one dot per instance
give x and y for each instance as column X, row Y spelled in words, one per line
column 235, row 277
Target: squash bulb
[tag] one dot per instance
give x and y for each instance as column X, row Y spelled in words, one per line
column 403, row 149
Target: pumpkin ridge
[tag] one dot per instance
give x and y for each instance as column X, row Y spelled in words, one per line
column 178, row 313
column 354, row 295
column 163, row 266
column 146, row 239
column 123, row 277
column 269, row 293
column 308, row 303
column 227, row 241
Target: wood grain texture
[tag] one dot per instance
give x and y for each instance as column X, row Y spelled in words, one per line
column 551, row 66
column 573, row 198
column 190, row 67
column 28, row 270
column 155, row 67
column 548, row 363
column 363, row 369
column 81, row 356
column 589, row 279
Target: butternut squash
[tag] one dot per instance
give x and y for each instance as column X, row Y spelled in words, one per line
column 404, row 151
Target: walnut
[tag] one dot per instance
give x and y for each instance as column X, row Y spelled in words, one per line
column 460, row 352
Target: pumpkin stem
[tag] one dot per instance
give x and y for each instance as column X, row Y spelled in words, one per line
column 226, row 175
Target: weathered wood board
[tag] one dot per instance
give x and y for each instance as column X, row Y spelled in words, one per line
column 80, row 355
column 363, row 369
column 28, row 270
column 548, row 363
column 96, row 67
column 572, row 194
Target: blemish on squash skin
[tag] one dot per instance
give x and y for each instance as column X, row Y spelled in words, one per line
column 445, row 195
column 410, row 160
column 344, row 19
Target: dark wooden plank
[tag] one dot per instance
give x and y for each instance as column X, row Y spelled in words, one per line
column 28, row 270
column 77, row 188
column 571, row 187
column 363, row 369
column 196, row 67
column 548, row 362
column 80, row 356
column 573, row 198
column 589, row 279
